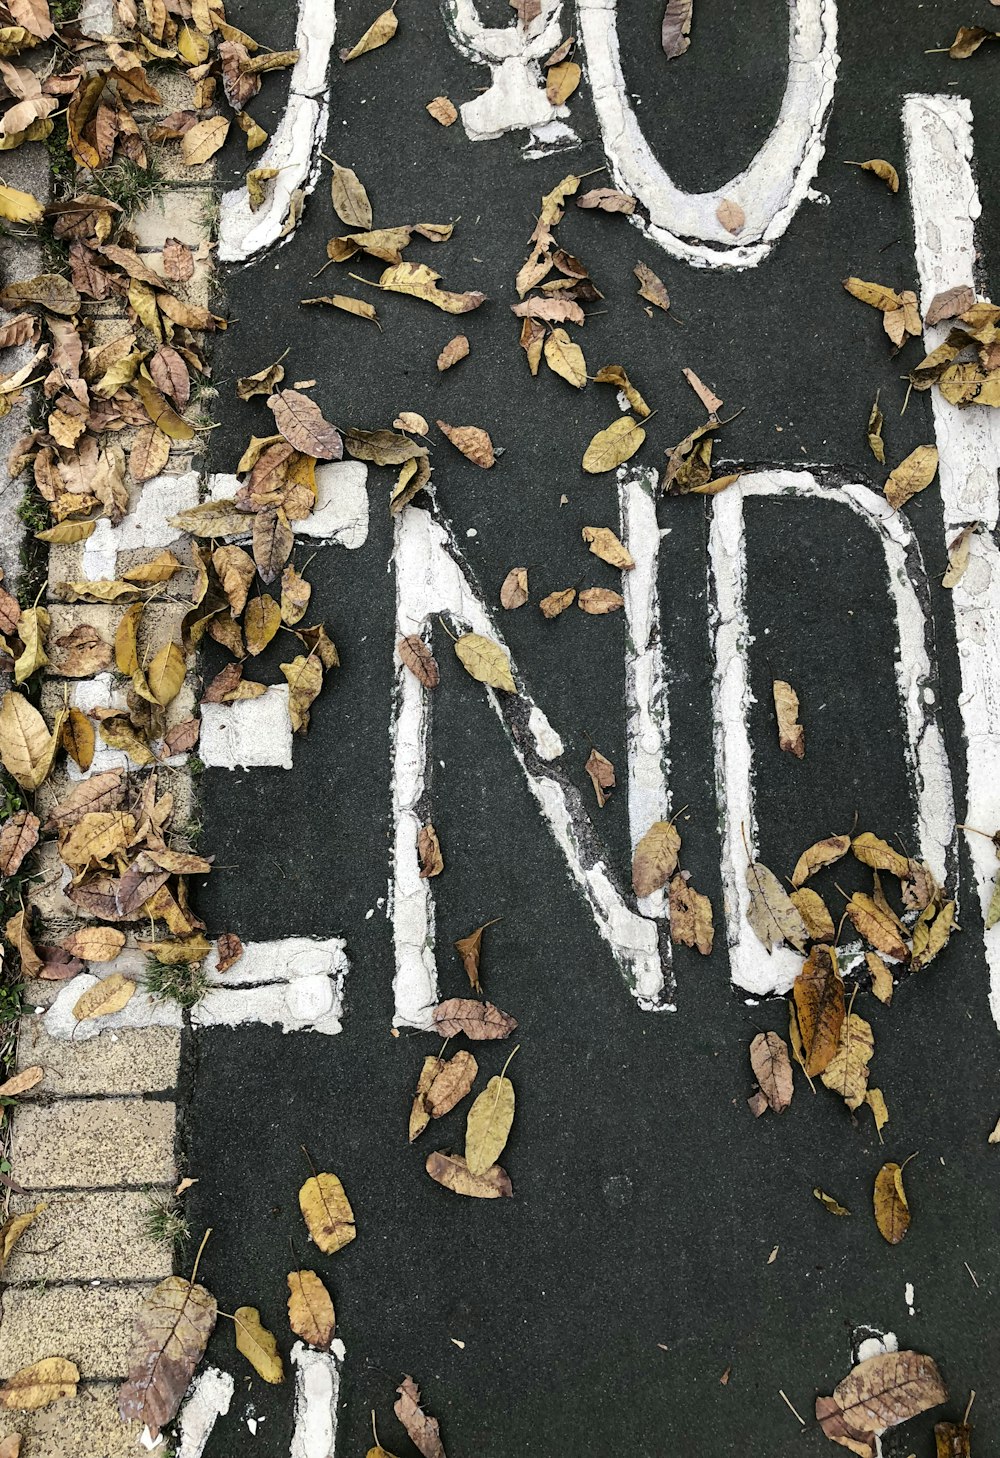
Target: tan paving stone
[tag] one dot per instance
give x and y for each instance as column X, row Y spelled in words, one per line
column 180, row 213
column 90, row 1143
column 85, row 1426
column 126, row 1061
column 99, row 1234
column 91, row 1325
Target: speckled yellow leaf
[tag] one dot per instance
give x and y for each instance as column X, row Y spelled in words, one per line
column 257, row 1344
column 614, row 445
column 486, row 661
column 109, row 995
column 327, row 1212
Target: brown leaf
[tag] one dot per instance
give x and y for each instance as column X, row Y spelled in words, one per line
column 950, row 303
column 419, row 659
column 452, row 1080
column 301, row 422
column 731, row 215
column 818, row 995
column 20, row 1083
column 968, row 40
column 892, row 1211
column 690, row 915
column 550, row 310
column 149, row 453
column 772, row 914
column 477, row 1020
column 310, row 1309
column 230, row 950
column 654, row 859
column 602, row 775
column 264, row 382
column 514, row 589
column 651, row 287
column 847, row 1072
column 350, row 199
column 178, row 260
column 604, row 544
column 557, row 602
column 913, row 474
column 772, row 1070
column 880, row 1393
column 442, row 110
column 675, row 32
column 80, row 653
column 452, row 1171
column 951, row 1440
column 172, row 1328
column 791, row 735
column 823, row 853
column 429, row 851
column 423, row 1431
column 473, row 442
column 453, row 351
column 18, row 836
column 599, row 600
column 829, row 1203
column 272, row 542
column 608, row 200
column 469, row 949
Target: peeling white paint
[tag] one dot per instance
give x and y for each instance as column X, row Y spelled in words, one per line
column 430, row 580
column 317, row 1392
column 875, row 1344
column 141, row 1011
column 147, row 526
column 101, row 692
column 208, row 1399
column 946, row 208
column 297, row 982
column 769, row 190
column 248, row 734
column 294, row 145
column 340, row 516
column 752, row 967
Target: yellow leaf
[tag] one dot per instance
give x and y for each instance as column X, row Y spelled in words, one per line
column 882, row 169
column 166, row 673
column 847, row 1071
column 381, row 30
column 19, row 207
column 876, row 1102
column 349, row 305
column 421, row 281
column 557, row 602
column 256, row 178
column 109, row 995
column 488, row 1124
column 257, row 1344
column 818, row 996
column 126, row 651
column 95, row 943
column 823, row 853
column 931, row 933
column 203, row 140
column 96, row 836
column 604, row 544
column 27, row 749
column 565, row 358
column 655, row 857
column 811, row 908
column 327, row 1212
column 882, row 983
column 615, row 375
column 160, row 569
column 14, row 1227
column 486, row 661
column 613, row 446
column 261, row 621
column 913, row 474
column 305, row 679
column 879, row 855
column 31, row 629
column 892, row 1210
column 65, row 533
column 561, row 81
column 829, row 1203
column 310, row 1309
column 38, row 1385
column 161, row 412
column 78, row 738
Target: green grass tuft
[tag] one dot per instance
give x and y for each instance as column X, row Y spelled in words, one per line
column 184, row 982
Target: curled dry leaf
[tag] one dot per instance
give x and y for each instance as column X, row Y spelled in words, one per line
column 772, row 1069
column 690, row 915
column 951, row 1440
column 452, row 1171
column 442, row 110
column 823, row 853
column 602, row 775
column 172, row 1328
column 230, row 950
column 598, row 601
column 675, row 31
column 878, row 1394
column 429, row 851
column 327, row 1212
column 913, row 474
column 791, row 735
column 305, row 679
column 421, row 282
column 453, row 351
column 654, row 859
column 480, row 1021
column 604, row 544
column 379, row 33
column 469, row 949
column 257, row 1344
column 451, row 1082
column 108, row 996
column 418, row 658
column 931, row 933
column 876, row 421
column 40, row 1384
column 829, row 1203
column 348, row 305
column 818, row 997
column 607, row 200
column 613, row 446
column 310, row 1309
column 882, row 983
column 10, row 1233
column 651, row 287
column 262, row 621
column 514, row 589
column 615, row 375
column 423, row 1431
column 18, row 836
column 882, row 170
column 473, row 442
column 892, row 1211
column 488, row 1125
column 847, row 1072
column 557, row 602
column 771, row 912
column 486, row 661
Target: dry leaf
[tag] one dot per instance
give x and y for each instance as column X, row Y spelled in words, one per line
column 892, row 1212
column 613, row 446
column 878, row 924
column 950, row 303
column 348, row 305
column 420, row 281
column 310, row 1309
column 514, row 588
column 261, row 621
column 27, row 749
column 818, row 997
column 452, row 1080
column 557, row 602
column 772, row 1070
column 264, row 382
column 879, row 855
column 951, row 1440
column 876, row 420
column 304, row 676
column 913, row 474
column 172, row 1328
column 469, row 949
column 823, row 853
column 604, row 544
column 381, row 30
column 690, row 915
column 959, row 551
column 78, row 739
column 477, row 1020
column 881, row 169
column 968, row 40
column 32, row 630
column 651, row 287
column 474, row 443
column 615, row 375
column 931, row 933
column 602, row 775
column 829, row 1203
column 429, row 851
column 15, row 1225
column 882, row 983
column 95, row 943
column 230, row 950
column 423, row 1431
column 812, row 909
column 876, row 1102
column 561, row 81
column 39, row 1385
column 203, row 140
column 453, row 351
column 327, row 1212
column 301, row 422
column 20, row 1083
column 791, row 735
column 257, row 1344
column 272, row 542
column 350, row 200
column 731, row 215
column 419, row 659
column 18, row 836
column 442, row 110
column 452, row 1171
column 486, row 661
column 847, row 1071
column 608, row 200
column 409, row 420
column 597, row 601
column 165, row 674
column 488, row 1124
column 654, row 859
column 675, row 32
column 771, row 913
column 419, row 1112
column 564, row 358
column 149, row 453
column 878, row 1394
column 108, row 996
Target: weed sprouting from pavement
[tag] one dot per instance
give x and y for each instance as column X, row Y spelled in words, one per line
column 182, row 982
column 165, row 1224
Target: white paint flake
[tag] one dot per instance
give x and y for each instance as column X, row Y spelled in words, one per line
column 946, row 208
column 431, row 580
column 909, row 1297
column 769, row 190
column 146, row 526
column 248, row 734
column 297, row 982
column 208, row 1399
column 317, row 1391
column 751, row 966
column 294, row 145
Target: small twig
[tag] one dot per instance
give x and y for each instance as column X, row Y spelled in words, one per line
column 791, row 1408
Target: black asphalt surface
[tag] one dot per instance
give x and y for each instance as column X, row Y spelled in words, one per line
column 601, row 1306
